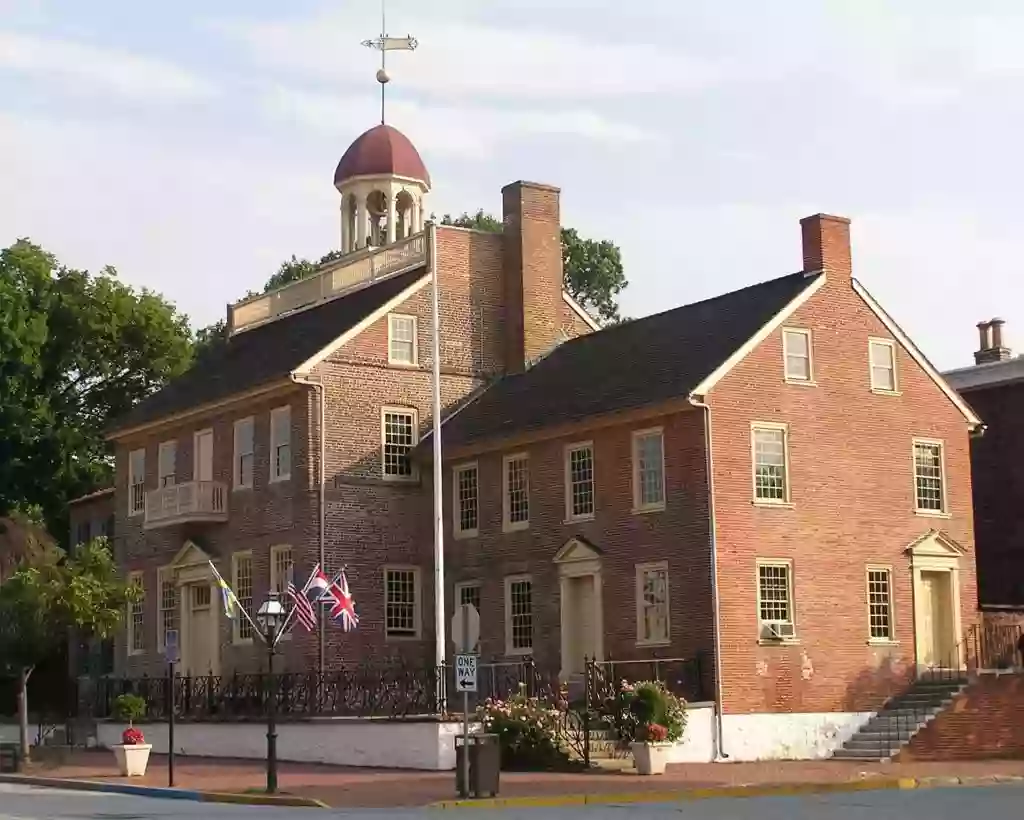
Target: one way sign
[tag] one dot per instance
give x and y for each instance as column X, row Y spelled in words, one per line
column 465, row 673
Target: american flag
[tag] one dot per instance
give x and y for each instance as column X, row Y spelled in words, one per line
column 303, row 609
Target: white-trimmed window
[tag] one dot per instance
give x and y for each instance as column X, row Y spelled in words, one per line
column 167, row 618
column 402, row 339
column 882, row 353
column 167, row 463
column 466, row 500
column 468, row 592
column 245, row 441
column 797, row 354
column 929, row 477
column 515, row 491
column 136, row 482
column 770, row 446
column 241, row 583
column 137, row 615
column 281, row 443
column 202, row 457
column 652, row 614
column 880, row 621
column 398, row 437
column 281, row 568
column 401, row 602
column 518, row 615
column 648, row 470
column 775, row 601
column 579, row 481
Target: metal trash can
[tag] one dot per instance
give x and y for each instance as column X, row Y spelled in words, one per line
column 484, row 765
column 10, row 758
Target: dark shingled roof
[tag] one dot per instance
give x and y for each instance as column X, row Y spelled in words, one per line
column 266, row 353
column 641, row 362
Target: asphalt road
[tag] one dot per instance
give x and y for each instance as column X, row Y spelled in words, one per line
column 21, row 803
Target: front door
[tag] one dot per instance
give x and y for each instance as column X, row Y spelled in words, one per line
column 581, row 625
column 201, row 644
column 936, row 643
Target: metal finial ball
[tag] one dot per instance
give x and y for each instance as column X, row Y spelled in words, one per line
column 382, row 76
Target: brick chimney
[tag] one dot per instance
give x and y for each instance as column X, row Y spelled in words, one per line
column 532, row 271
column 990, row 342
column 826, row 241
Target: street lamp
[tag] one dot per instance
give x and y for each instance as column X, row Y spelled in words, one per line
column 271, row 617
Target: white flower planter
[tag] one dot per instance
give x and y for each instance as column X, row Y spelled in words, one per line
column 132, row 760
column 650, row 758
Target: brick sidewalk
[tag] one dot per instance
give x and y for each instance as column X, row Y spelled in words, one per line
column 386, row 788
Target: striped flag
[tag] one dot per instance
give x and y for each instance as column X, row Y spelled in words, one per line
column 303, row 609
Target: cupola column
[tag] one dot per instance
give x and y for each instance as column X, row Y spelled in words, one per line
column 361, row 221
column 392, row 218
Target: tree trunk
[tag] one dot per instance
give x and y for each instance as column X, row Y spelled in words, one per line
column 26, row 747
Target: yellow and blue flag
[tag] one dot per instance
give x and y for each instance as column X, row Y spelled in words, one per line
column 227, row 596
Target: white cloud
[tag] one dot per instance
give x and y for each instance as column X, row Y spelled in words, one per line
column 441, row 130
column 457, row 58
column 117, row 72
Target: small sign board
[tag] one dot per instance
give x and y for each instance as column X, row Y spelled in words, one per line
column 466, row 629
column 465, row 673
column 171, row 649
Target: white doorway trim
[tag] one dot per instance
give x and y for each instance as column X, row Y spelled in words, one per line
column 936, row 552
column 191, row 567
column 578, row 559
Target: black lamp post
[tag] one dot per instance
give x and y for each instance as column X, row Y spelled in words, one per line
column 271, row 617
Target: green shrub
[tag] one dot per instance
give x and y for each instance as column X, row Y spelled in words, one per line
column 639, row 706
column 129, row 707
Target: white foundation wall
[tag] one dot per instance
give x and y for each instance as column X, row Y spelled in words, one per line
column 698, row 742
column 422, row 745
column 790, row 736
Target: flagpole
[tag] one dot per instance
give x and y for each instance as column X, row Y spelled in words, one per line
column 440, row 644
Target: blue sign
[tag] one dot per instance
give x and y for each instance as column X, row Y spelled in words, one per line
column 171, row 649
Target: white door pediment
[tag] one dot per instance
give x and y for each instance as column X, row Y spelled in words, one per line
column 576, row 549
column 935, row 544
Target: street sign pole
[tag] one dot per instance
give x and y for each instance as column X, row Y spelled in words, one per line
column 465, row 634
column 172, row 652
column 465, row 717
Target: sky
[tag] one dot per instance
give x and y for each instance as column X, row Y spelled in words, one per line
column 192, row 145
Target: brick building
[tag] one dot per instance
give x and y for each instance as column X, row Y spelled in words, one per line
column 994, row 387
column 784, row 450
column 91, row 516
column 296, row 432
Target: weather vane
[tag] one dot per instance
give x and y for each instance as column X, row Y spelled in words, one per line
column 384, row 44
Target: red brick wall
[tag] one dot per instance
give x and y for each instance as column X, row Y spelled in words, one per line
column 985, row 721
column 95, row 511
column 851, row 474
column 678, row 534
column 997, row 460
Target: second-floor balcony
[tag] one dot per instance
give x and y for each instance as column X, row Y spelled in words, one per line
column 189, row 502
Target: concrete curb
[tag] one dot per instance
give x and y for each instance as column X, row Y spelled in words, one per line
column 767, row 790
column 164, row 793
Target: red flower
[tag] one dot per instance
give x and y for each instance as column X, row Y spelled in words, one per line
column 132, row 737
column 656, row 733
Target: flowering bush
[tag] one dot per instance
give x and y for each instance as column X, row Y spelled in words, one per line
column 132, row 737
column 656, row 733
column 527, row 730
column 647, row 706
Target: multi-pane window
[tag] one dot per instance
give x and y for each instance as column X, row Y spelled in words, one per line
column 168, row 615
column 280, row 443
column 929, row 493
column 83, row 532
column 516, row 491
column 518, row 615
column 771, row 473
column 648, row 470
column 281, row 567
column 245, row 435
column 401, row 339
column 468, row 593
column 241, row 571
column 400, row 607
column 880, row 626
column 579, row 476
column 796, row 349
column 883, row 364
column 398, row 437
column 467, row 499
column 137, row 616
column 775, row 599
column 136, row 482
column 167, row 463
column 652, row 603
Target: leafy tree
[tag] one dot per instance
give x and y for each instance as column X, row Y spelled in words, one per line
column 76, row 350
column 592, row 269
column 41, row 601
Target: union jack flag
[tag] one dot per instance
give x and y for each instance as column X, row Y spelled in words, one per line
column 303, row 609
column 343, row 605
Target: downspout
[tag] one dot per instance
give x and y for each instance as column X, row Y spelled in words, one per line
column 698, row 401
column 318, row 385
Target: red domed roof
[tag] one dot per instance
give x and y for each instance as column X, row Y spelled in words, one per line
column 382, row 151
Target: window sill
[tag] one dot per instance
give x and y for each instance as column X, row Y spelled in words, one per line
column 641, row 644
column 404, row 365
column 465, row 535
column 518, row 653
column 773, row 505
column 801, row 382
column 577, row 519
column 399, row 479
column 785, row 642
column 400, row 638
column 653, row 508
column 134, row 653
column 518, row 526
column 882, row 642
column 242, row 642
column 281, row 479
column 878, row 391
column 240, row 488
column 932, row 514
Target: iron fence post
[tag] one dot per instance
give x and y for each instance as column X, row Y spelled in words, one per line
column 587, row 680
